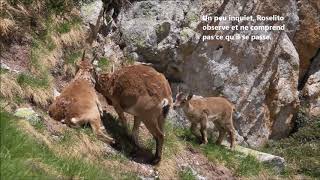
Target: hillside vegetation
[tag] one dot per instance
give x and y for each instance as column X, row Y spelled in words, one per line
column 41, row 41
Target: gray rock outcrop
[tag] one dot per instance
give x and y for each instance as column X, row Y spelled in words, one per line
column 311, row 90
column 259, row 77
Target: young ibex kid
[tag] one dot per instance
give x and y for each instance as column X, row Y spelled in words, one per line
column 199, row 111
column 78, row 103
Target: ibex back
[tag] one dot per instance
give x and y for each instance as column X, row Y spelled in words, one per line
column 78, row 103
column 143, row 92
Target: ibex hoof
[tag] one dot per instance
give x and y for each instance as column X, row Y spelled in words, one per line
column 203, row 143
column 112, row 142
column 155, row 160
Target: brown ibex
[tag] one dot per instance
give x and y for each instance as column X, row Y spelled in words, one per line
column 78, row 103
column 143, row 92
column 199, row 111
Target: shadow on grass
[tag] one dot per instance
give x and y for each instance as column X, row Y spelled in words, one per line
column 124, row 142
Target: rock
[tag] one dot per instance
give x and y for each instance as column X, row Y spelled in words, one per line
column 259, row 77
column 307, row 37
column 90, row 12
column 15, row 57
column 154, row 30
column 278, row 163
column 311, row 93
column 178, row 118
column 28, row 114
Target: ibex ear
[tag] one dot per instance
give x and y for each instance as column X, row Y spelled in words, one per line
column 178, row 89
column 189, row 96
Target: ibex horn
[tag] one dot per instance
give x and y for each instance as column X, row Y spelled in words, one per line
column 112, row 69
column 83, row 55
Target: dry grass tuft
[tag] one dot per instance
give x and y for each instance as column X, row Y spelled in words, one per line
column 52, row 58
column 6, row 26
column 69, row 70
column 37, row 165
column 83, row 146
column 39, row 96
column 74, row 38
column 9, row 88
column 29, row 129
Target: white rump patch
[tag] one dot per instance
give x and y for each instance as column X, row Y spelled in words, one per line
column 74, row 120
column 55, row 93
column 164, row 102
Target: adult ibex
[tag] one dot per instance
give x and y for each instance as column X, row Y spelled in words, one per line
column 199, row 111
column 143, row 92
column 78, row 103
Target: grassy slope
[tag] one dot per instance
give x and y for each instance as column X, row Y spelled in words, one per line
column 22, row 156
column 301, row 150
column 17, row 149
column 241, row 165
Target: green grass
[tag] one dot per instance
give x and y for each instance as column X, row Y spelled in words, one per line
column 302, row 149
column 186, row 174
column 25, row 79
column 171, row 142
column 104, row 63
column 38, row 125
column 72, row 57
column 66, row 138
column 17, row 148
column 18, row 100
column 3, row 71
column 64, row 27
column 242, row 165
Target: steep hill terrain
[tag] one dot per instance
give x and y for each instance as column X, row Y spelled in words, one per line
column 274, row 85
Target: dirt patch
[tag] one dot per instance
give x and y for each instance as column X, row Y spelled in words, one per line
column 17, row 57
column 194, row 159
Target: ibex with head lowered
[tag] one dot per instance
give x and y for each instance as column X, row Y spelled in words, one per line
column 199, row 111
column 78, row 103
column 143, row 92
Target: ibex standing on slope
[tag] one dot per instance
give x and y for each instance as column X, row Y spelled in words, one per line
column 78, row 103
column 199, row 111
column 143, row 92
